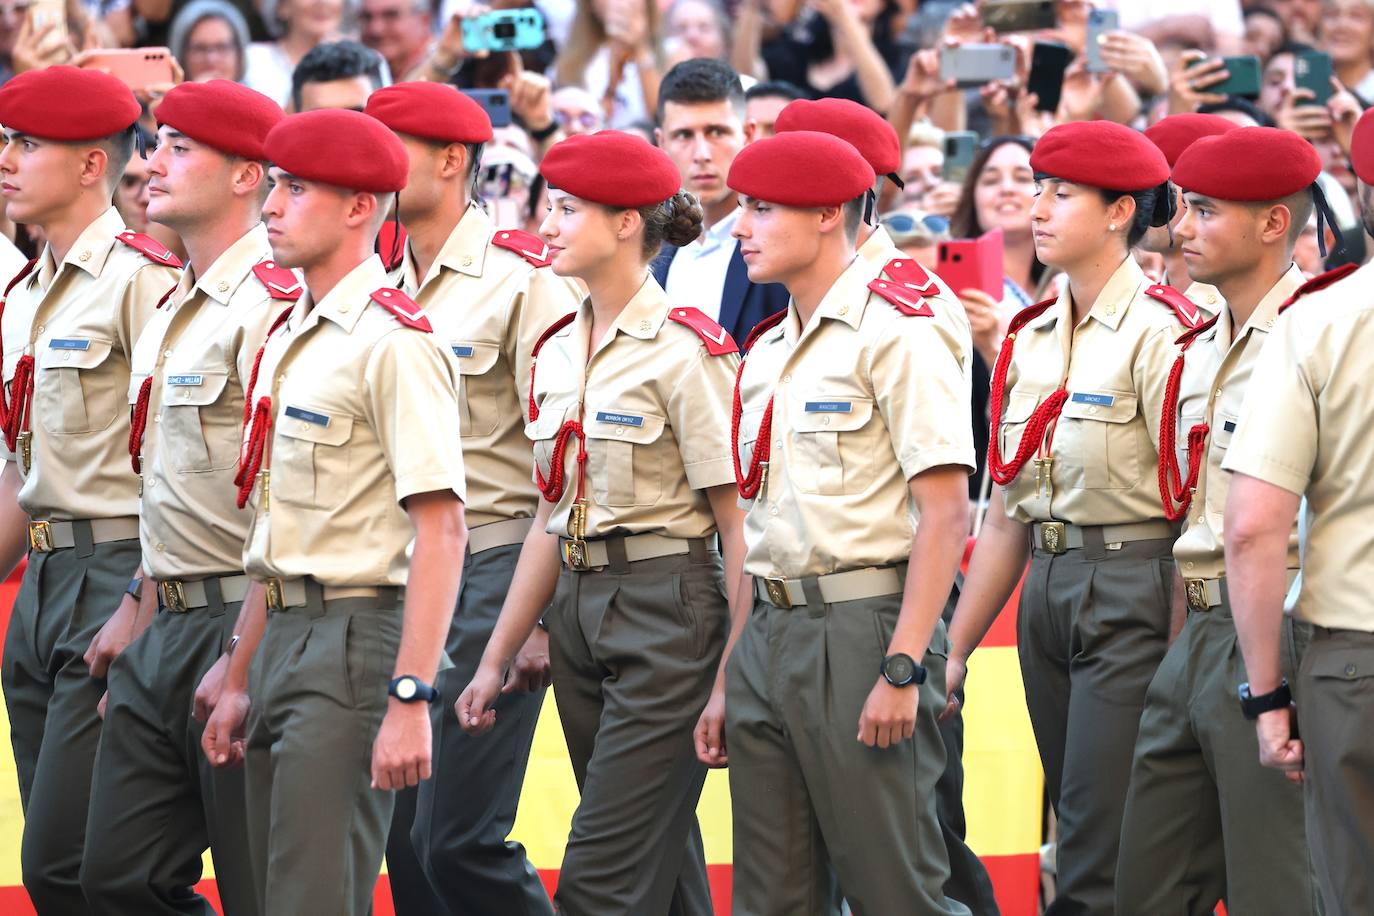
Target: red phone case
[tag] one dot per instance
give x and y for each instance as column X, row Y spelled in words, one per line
column 973, row 264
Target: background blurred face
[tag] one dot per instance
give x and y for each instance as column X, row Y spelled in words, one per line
column 1217, row 238
column 763, row 112
column 395, row 29
column 131, row 194
column 1300, row 16
column 1347, row 31
column 320, row 18
column 1263, row 36
column 695, row 24
column 702, row 140
column 1069, row 222
column 187, row 181
column 211, row 51
column 305, row 219
column 577, row 111
column 38, row 178
column 1004, row 191
column 581, row 235
column 776, row 242
column 12, row 13
column 923, row 167
column 1278, row 79
column 351, row 92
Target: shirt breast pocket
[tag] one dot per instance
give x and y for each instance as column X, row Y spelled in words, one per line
column 72, row 391
column 310, row 460
column 1223, row 428
column 1017, row 414
column 543, row 434
column 625, row 462
column 199, row 436
column 1103, row 452
column 832, row 456
column 478, row 412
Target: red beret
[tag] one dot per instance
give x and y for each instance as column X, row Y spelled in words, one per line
column 67, row 104
column 858, row 125
column 613, row 168
column 434, row 111
column 801, row 168
column 339, row 147
column 1362, row 147
column 1248, row 164
column 1177, row 132
column 225, row 115
column 1100, row 154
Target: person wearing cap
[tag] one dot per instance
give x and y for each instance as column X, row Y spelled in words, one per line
column 1248, row 194
column 352, row 460
column 1303, row 432
column 1076, row 399
column 851, row 422
column 489, row 293
column 156, row 803
column 70, row 319
column 628, row 415
column 876, row 140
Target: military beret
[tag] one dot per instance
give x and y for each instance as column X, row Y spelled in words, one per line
column 67, row 104
column 1177, row 132
column 1362, row 147
column 433, row 111
column 801, row 168
column 858, row 125
column 222, row 114
column 1100, row 154
column 1248, row 164
column 612, row 168
column 339, row 147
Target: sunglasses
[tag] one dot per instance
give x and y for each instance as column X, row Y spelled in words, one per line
column 904, row 223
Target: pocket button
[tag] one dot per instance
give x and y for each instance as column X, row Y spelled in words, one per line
column 1350, row 670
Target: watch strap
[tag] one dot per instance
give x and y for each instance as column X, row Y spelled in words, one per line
column 1252, row 707
column 135, row 588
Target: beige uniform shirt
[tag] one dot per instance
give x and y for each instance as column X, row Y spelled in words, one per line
column 364, row 414
column 1105, row 448
column 1305, row 426
column 864, row 399
column 199, row 348
column 655, row 406
column 489, row 305
column 1216, row 375
column 880, row 249
column 80, row 320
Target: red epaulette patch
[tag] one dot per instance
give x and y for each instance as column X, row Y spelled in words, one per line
column 909, row 273
column 1029, row 314
column 906, row 300
column 526, row 244
column 1192, row 334
column 718, row 340
column 763, row 327
column 1189, row 315
column 281, row 283
column 406, row 310
column 150, row 248
column 1319, row 282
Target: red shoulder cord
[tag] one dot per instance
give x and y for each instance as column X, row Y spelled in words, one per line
column 1176, row 491
column 23, row 371
column 1046, row 413
column 138, row 421
column 749, row 484
column 552, row 488
column 257, row 422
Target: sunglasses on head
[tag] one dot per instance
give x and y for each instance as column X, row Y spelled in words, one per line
column 905, row 222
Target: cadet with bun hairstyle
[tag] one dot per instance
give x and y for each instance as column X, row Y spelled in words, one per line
column 629, row 415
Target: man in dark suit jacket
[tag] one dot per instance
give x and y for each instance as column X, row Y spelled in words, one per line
column 742, row 304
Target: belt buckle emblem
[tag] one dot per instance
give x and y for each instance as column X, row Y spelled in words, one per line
column 777, row 592
column 173, row 595
column 1054, row 537
column 40, row 537
column 575, row 555
column 1196, row 590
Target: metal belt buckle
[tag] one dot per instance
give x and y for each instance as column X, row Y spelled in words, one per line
column 40, row 536
column 173, row 595
column 777, row 592
column 575, row 555
column 276, row 595
column 1054, row 537
column 1196, row 590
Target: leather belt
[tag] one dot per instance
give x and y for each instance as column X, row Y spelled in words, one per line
column 498, row 534
column 181, row 595
column 47, row 536
column 872, row 582
column 1205, row 594
column 289, row 593
column 581, row 556
column 1058, row 537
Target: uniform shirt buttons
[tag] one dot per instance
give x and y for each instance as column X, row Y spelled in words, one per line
column 161, row 548
column 1200, row 520
column 343, row 309
column 772, row 510
column 167, row 354
column 40, row 329
column 1092, row 410
column 157, row 418
column 1188, row 565
column 152, row 481
column 620, row 430
column 1350, row 670
column 66, row 357
column 786, row 379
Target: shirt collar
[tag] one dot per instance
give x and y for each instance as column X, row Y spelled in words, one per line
column 645, row 313
column 845, row 301
column 230, row 269
column 350, row 297
column 878, row 246
column 466, row 247
column 1265, row 313
column 1116, row 296
column 92, row 247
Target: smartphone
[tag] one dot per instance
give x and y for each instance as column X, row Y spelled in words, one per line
column 1049, row 60
column 973, row 263
column 1019, row 15
column 1100, row 22
column 1244, row 79
column 960, row 145
column 137, row 68
column 43, row 12
column 1312, row 70
column 975, row 65
column 495, row 102
column 504, row 30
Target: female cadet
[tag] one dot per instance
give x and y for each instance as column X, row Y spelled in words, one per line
column 1075, row 403
column 629, row 415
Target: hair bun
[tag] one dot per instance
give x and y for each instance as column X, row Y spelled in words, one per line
column 1165, row 205
column 685, row 219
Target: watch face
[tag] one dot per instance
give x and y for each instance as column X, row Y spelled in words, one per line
column 405, row 689
column 899, row 669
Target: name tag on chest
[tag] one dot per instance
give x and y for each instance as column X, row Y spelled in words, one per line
column 1096, row 400
column 309, row 416
column 462, row 352
column 68, row 343
column 623, row 419
column 829, row 407
column 181, row 381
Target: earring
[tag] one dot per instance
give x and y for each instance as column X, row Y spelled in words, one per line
column 1111, row 227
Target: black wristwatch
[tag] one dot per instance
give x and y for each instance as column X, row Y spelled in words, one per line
column 410, row 689
column 135, row 589
column 1255, row 706
column 901, row 670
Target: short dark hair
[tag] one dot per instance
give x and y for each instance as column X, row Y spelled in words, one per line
column 1242, row 105
column 335, row 60
column 700, row 81
column 119, row 149
column 775, row 89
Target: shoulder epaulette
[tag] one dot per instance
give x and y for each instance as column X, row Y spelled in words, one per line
column 1189, row 315
column 281, row 283
column 718, row 340
column 150, row 248
column 1319, row 282
column 905, row 299
column 1029, row 314
column 763, row 327
column 406, row 310
column 526, row 244
column 551, row 330
column 1192, row 334
column 908, row 272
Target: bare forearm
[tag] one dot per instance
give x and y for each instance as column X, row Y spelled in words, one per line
column 248, row 628
column 936, row 550
column 14, row 533
column 875, row 80
column 948, row 111
column 531, row 590
column 994, row 569
column 744, row 53
column 432, row 587
column 1256, row 577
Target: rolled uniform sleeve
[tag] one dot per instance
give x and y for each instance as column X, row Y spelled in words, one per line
column 139, row 303
column 699, row 412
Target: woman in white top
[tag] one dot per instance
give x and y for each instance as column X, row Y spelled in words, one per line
column 301, row 25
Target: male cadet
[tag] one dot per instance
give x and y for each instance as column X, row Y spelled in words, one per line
column 851, row 413
column 69, row 328
column 877, row 142
column 1304, row 430
column 156, row 802
column 354, row 460
column 701, row 128
column 1249, row 194
column 489, row 294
